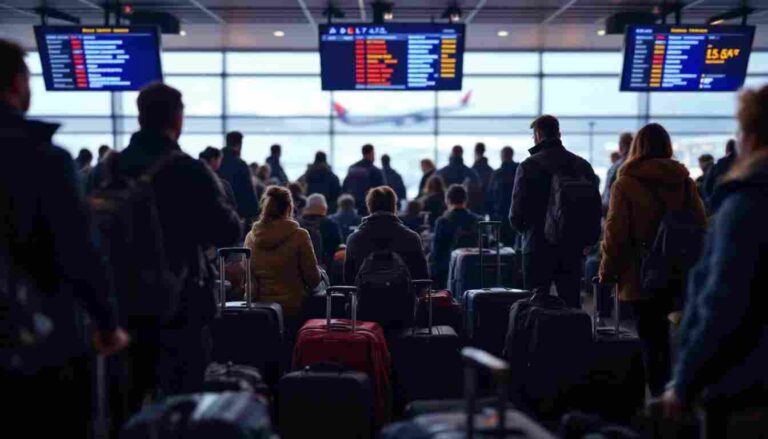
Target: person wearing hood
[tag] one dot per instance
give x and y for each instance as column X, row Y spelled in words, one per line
column 320, row 179
column 283, row 263
column 392, row 178
column 722, row 360
column 382, row 230
column 313, row 218
column 275, row 152
column 634, row 216
column 457, row 172
column 362, row 177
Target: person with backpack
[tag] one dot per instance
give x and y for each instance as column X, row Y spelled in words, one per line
column 283, row 263
column 654, row 207
column 51, row 276
column 362, row 177
column 556, row 207
column 320, row 179
column 457, row 228
column 722, row 361
column 325, row 234
column 178, row 210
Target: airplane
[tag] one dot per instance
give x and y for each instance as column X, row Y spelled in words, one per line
column 399, row 119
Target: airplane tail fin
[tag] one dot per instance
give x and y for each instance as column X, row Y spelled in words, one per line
column 340, row 110
column 466, row 98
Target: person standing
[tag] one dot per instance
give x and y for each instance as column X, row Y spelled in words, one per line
column 392, row 178
column 314, row 218
column 362, row 177
column 428, row 169
column 320, row 179
column 478, row 202
column 706, row 163
column 275, row 152
column 649, row 184
column 51, row 276
column 457, row 228
column 548, row 257
column 721, row 168
column 235, row 171
column 500, row 194
column 346, row 217
column 456, row 172
column 213, row 157
column 625, row 141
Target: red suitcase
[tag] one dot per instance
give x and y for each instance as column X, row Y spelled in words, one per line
column 359, row 346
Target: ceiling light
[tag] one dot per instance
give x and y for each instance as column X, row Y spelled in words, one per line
column 601, row 32
column 183, row 33
column 452, row 13
column 382, row 11
column 503, row 33
column 278, row 33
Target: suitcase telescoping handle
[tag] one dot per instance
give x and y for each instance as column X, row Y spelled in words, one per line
column 475, row 359
column 222, row 254
column 425, row 285
column 347, row 291
column 597, row 285
column 493, row 226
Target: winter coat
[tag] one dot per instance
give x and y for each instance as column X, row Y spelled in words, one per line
column 236, row 172
column 458, row 173
column 330, row 235
column 423, row 182
column 435, row 205
column 634, row 216
column 500, row 190
column 446, row 239
column 395, row 181
column 277, row 170
column 346, row 221
column 283, row 264
column 361, row 177
column 320, row 179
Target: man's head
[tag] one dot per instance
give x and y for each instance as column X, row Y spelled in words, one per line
column 368, row 152
column 14, row 77
column 730, row 147
column 346, row 203
column 103, row 151
column 427, row 165
column 316, row 205
column 456, row 197
column 161, row 109
column 753, row 121
column 212, row 156
column 479, row 150
column 545, row 127
column 507, row 154
column 706, row 161
column 276, row 150
column 625, row 142
column 84, row 158
column 320, row 158
column 234, row 141
column 385, row 161
column 381, row 199
column 457, row 151
column 615, row 157
column 254, row 167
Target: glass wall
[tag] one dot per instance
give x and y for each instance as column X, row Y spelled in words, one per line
column 275, row 97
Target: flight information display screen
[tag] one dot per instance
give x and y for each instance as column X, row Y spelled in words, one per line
column 686, row 58
column 393, row 56
column 99, row 58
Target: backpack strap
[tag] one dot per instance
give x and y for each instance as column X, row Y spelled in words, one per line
column 149, row 175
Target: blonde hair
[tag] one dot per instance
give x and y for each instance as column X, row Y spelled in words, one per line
column 276, row 204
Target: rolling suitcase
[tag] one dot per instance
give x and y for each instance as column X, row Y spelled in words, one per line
column 426, row 361
column 359, row 346
column 236, row 415
column 616, row 381
column 446, row 310
column 486, row 310
column 325, row 400
column 467, row 422
column 248, row 333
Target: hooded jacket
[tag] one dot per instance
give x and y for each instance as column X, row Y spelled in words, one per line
column 283, row 264
column 320, row 179
column 384, row 231
column 724, row 334
column 458, row 173
column 634, row 215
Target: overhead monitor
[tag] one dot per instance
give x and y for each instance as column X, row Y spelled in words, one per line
column 686, row 58
column 99, row 58
column 392, row 56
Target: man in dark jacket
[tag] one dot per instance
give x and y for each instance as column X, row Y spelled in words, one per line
column 723, row 351
column 346, row 217
column 544, row 263
column 500, row 193
column 457, row 228
column 382, row 230
column 194, row 216
column 213, row 157
column 427, row 171
column 457, row 172
column 50, row 271
column 314, row 219
column 625, row 142
column 320, row 179
column 363, row 176
column 276, row 151
column 716, row 174
column 392, row 178
column 236, row 172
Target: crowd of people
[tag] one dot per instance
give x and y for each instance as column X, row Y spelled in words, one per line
column 57, row 294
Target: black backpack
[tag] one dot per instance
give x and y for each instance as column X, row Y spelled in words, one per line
column 675, row 248
column 384, row 290
column 574, row 210
column 130, row 237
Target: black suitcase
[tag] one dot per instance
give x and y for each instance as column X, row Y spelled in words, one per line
column 249, row 333
column 234, row 378
column 616, row 381
column 467, row 419
column 236, row 415
column 325, row 401
column 427, row 361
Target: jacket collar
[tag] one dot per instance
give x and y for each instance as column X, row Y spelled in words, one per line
column 456, row 161
column 752, row 172
column 381, row 216
column 153, row 142
column 41, row 132
column 545, row 145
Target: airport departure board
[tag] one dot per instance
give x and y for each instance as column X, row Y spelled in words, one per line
column 686, row 58
column 99, row 58
column 393, row 56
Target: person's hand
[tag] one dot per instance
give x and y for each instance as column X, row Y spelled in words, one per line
column 111, row 342
column 671, row 405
